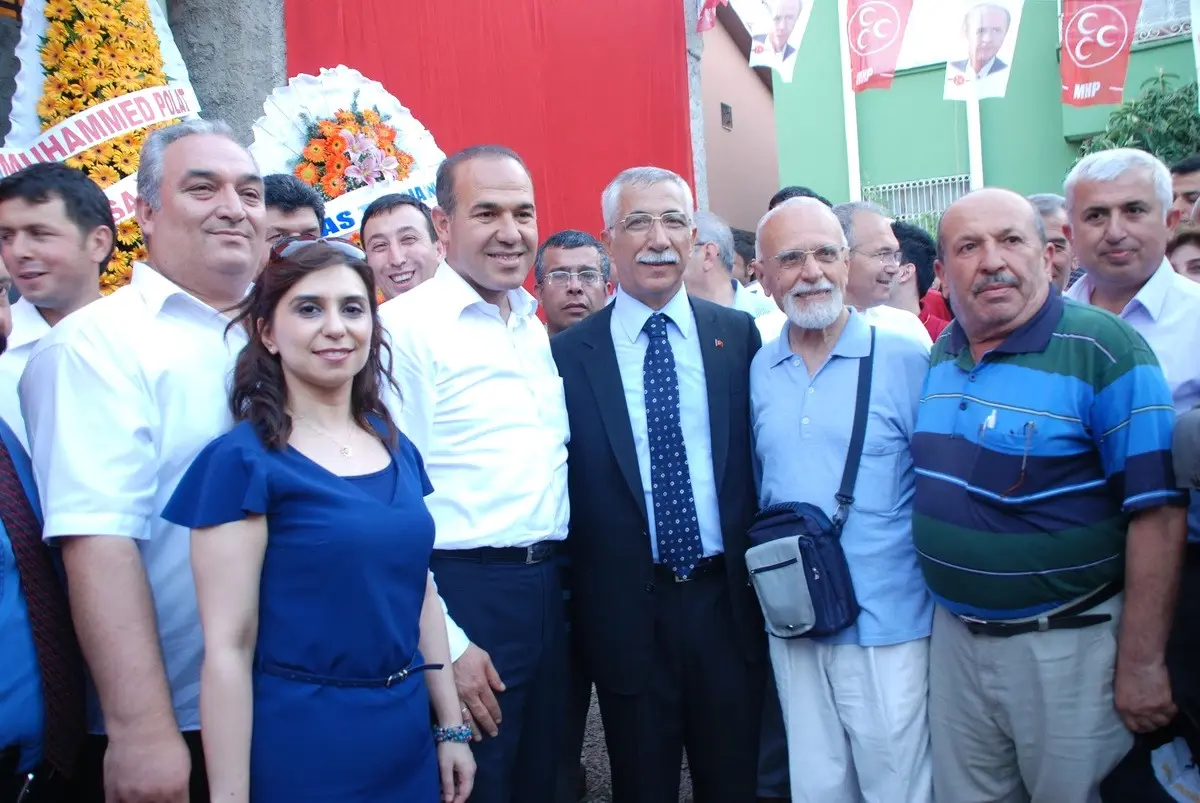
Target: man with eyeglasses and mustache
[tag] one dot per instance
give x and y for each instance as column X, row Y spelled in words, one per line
column 854, row 702
column 1046, row 519
column 662, row 494
column 570, row 275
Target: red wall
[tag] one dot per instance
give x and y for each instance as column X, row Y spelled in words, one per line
column 582, row 89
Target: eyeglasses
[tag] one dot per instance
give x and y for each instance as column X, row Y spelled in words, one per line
column 796, row 257
column 562, row 278
column 884, row 257
column 288, row 246
column 640, row 222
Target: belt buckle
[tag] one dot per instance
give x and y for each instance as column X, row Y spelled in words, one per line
column 529, row 554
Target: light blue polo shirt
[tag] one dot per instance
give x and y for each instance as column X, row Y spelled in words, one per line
column 801, row 435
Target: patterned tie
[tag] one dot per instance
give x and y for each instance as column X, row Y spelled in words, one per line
column 58, row 655
column 675, row 522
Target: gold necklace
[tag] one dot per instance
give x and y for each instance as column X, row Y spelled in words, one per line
column 344, row 447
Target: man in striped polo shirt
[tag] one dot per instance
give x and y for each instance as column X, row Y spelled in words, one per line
column 1045, row 513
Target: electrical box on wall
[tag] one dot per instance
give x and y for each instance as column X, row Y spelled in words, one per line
column 726, row 117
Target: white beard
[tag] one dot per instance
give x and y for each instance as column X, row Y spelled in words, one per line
column 813, row 314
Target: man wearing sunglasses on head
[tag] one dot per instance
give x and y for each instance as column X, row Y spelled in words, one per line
column 571, row 271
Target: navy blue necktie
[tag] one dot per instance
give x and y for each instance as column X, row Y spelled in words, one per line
column 675, row 523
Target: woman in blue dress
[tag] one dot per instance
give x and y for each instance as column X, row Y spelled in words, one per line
column 324, row 638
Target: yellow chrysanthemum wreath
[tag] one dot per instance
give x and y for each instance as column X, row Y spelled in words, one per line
column 93, row 51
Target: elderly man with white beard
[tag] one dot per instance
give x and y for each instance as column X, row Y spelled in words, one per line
column 854, row 702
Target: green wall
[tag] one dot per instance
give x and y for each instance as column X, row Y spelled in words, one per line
column 908, row 133
column 809, row 115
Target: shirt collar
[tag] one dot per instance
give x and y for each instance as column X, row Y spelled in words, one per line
column 1028, row 338
column 1152, row 297
column 28, row 325
column 156, row 290
column 852, row 343
column 460, row 295
column 631, row 315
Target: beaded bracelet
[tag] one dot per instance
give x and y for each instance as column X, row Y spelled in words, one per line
column 455, row 733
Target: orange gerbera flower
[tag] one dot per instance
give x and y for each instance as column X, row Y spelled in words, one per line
column 307, row 172
column 58, row 32
column 105, row 176
column 82, row 51
column 336, row 164
column 314, row 151
column 55, row 85
column 107, row 151
column 89, row 30
column 384, row 134
column 333, row 186
column 60, row 10
column 45, row 110
column 343, row 116
column 328, row 128
column 126, row 163
column 371, row 117
column 130, row 142
column 335, row 145
column 52, row 54
column 128, row 232
column 108, row 17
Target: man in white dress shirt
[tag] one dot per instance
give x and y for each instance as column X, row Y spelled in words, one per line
column 119, row 398
column 1119, row 203
column 56, row 237
column 482, row 401
column 709, row 270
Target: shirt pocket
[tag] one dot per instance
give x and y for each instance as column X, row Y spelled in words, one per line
column 877, row 489
column 998, row 470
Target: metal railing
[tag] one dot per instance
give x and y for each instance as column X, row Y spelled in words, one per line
column 918, row 200
column 1159, row 19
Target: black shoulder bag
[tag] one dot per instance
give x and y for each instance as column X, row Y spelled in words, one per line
column 796, row 562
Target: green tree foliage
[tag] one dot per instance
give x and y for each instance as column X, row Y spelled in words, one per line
column 1162, row 119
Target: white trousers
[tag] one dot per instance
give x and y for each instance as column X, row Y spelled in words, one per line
column 857, row 721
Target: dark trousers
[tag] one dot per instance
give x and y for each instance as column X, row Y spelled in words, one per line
column 701, row 696
column 515, row 612
column 579, row 700
column 1183, row 645
column 91, row 769
column 772, row 750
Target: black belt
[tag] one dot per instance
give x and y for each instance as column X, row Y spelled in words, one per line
column 269, row 668
column 1069, row 618
column 536, row 553
column 713, row 564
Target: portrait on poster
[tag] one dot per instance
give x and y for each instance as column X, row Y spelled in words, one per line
column 985, row 37
column 776, row 29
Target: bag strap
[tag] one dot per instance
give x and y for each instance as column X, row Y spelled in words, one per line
column 845, row 494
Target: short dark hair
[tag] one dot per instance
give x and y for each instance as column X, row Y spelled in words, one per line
column 917, row 247
column 288, row 193
column 569, row 238
column 796, row 191
column 743, row 244
column 1184, row 237
column 394, row 200
column 85, row 203
column 1186, row 166
column 445, row 171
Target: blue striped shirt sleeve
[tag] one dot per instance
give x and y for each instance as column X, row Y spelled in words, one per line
column 1132, row 418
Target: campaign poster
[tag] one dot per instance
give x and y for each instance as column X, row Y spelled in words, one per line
column 984, row 38
column 776, row 29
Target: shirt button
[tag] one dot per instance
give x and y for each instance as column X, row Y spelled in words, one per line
column 971, row 377
column 962, row 405
column 803, row 420
column 796, row 363
column 649, row 588
column 812, row 390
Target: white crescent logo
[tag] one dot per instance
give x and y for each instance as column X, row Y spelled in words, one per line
column 873, row 28
column 1096, row 35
